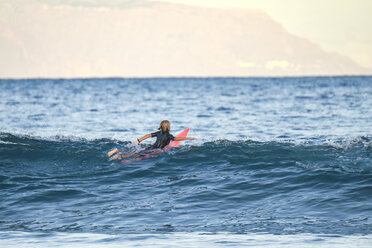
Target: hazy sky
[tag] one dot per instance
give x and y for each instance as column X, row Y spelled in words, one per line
column 87, row 38
column 342, row 26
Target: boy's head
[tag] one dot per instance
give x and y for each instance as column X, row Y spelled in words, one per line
column 164, row 126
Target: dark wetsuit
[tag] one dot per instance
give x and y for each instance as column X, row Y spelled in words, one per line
column 162, row 139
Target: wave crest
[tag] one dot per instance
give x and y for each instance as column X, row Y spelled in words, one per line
column 348, row 155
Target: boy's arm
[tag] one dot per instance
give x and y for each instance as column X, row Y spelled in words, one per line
column 142, row 138
column 184, row 138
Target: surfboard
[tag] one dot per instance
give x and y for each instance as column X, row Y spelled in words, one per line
column 155, row 153
column 177, row 143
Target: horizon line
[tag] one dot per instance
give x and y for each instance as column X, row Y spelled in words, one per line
column 187, row 77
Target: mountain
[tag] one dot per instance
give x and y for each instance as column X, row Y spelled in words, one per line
column 155, row 39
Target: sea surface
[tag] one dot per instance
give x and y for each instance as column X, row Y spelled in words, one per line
column 279, row 162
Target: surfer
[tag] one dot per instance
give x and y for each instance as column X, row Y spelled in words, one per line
column 163, row 138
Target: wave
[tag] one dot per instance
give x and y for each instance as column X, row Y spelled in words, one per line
column 353, row 155
column 234, row 186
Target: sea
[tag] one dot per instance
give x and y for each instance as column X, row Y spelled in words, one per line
column 278, row 162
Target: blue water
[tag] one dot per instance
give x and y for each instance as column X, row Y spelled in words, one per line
column 278, row 161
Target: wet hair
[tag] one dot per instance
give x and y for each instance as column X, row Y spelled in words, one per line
column 164, row 126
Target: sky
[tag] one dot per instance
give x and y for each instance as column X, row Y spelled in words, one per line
column 87, row 38
column 342, row 26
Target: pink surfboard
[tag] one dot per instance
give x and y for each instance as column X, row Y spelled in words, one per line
column 177, row 143
column 154, row 153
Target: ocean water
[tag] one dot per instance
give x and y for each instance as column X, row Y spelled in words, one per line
column 279, row 162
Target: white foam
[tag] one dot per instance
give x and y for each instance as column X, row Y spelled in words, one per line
column 189, row 240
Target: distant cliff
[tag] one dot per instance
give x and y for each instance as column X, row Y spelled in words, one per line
column 155, row 40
